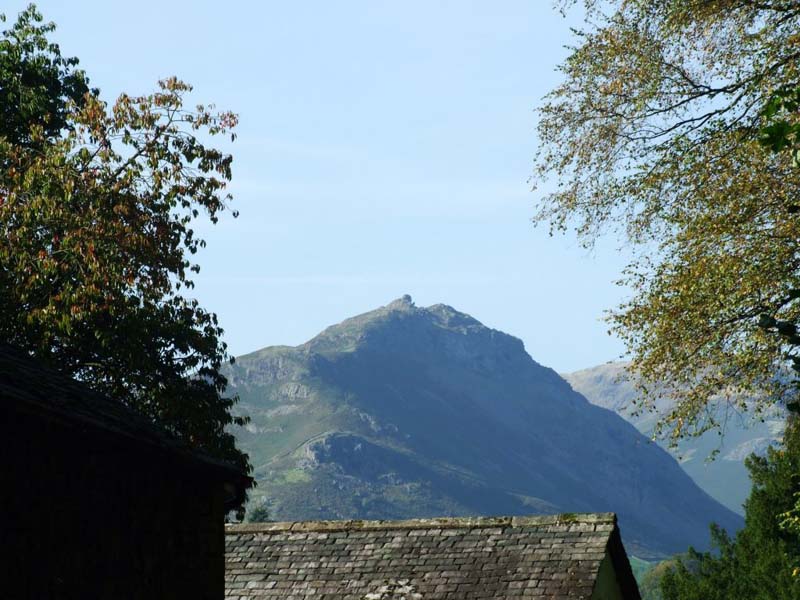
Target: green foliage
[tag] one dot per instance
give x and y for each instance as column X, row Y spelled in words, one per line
column 639, row 567
column 782, row 134
column 97, row 204
column 259, row 514
column 650, row 580
column 37, row 84
column 789, row 521
column 653, row 134
column 759, row 562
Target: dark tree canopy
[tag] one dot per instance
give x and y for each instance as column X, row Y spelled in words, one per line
column 760, row 562
column 37, row 84
column 258, row 514
column 97, row 204
column 653, row 135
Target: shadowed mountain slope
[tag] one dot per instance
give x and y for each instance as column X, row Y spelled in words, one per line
column 725, row 478
column 415, row 412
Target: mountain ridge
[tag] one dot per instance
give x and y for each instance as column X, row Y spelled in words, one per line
column 725, row 477
column 409, row 412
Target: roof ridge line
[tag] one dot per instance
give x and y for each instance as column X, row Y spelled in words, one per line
column 430, row 523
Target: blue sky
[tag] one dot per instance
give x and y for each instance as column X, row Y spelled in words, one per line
column 384, row 149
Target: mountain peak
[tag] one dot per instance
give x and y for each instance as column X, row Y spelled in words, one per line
column 405, row 302
column 401, row 322
column 408, row 411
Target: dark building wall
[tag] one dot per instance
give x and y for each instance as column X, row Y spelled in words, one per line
column 92, row 516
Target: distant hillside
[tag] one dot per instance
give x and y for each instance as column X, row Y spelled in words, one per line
column 411, row 412
column 724, row 478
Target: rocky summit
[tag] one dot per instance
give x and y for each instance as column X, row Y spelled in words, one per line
column 409, row 412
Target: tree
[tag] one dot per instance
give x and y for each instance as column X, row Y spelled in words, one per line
column 259, row 514
column 759, row 562
column 654, row 136
column 36, row 83
column 96, row 208
column 650, row 582
column 782, row 134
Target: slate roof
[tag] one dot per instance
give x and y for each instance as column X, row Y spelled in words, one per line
column 427, row 559
column 27, row 384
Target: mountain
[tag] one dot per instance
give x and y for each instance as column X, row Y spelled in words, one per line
column 725, row 477
column 412, row 412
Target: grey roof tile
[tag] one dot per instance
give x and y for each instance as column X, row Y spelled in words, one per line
column 466, row 558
